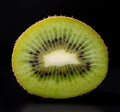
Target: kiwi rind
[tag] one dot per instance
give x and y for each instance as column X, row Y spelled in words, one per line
column 59, row 92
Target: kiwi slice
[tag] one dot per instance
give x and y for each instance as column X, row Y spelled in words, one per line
column 59, row 57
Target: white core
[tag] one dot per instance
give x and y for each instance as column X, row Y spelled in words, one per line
column 60, row 58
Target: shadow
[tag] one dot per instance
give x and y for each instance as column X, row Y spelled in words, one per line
column 59, row 108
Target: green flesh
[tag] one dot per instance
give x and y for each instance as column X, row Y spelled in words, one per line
column 60, row 81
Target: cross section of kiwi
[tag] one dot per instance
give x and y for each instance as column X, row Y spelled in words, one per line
column 59, row 57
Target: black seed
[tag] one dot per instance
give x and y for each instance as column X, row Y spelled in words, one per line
column 88, row 67
column 80, row 72
column 60, row 72
column 45, row 72
column 82, row 47
column 74, row 45
column 69, row 44
column 71, row 72
column 30, row 61
column 35, row 54
column 35, row 57
column 49, row 41
column 64, row 75
column 45, row 49
column 81, row 53
column 35, row 72
column 36, row 61
column 41, row 75
column 77, row 48
column 64, row 37
column 34, row 64
column 80, row 44
column 87, row 63
column 83, row 70
column 37, row 51
column 60, row 38
column 81, row 56
column 50, row 73
column 31, row 52
column 56, row 40
column 53, row 41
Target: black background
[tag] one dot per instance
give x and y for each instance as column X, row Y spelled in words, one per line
column 17, row 16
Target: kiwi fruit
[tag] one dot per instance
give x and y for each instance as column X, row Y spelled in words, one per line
column 59, row 57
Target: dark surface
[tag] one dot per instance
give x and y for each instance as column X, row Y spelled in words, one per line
column 101, row 15
column 17, row 15
column 105, row 98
